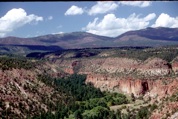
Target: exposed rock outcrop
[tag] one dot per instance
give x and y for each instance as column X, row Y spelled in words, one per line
column 119, row 65
column 154, row 67
column 125, row 75
column 175, row 65
column 152, row 88
column 125, row 66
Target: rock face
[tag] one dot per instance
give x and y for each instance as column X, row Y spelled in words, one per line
column 118, row 65
column 150, row 67
column 175, row 65
column 126, row 75
column 152, row 88
column 154, row 67
column 102, row 81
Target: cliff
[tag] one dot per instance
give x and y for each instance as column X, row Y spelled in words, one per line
column 139, row 87
column 149, row 78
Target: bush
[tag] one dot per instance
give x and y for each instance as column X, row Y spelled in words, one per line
column 143, row 113
column 153, row 107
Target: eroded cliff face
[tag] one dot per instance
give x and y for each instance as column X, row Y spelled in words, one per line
column 154, row 67
column 139, row 87
column 115, row 65
column 142, row 78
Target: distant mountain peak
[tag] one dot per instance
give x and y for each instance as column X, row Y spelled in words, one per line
column 149, row 36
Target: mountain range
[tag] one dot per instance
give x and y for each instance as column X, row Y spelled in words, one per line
column 151, row 37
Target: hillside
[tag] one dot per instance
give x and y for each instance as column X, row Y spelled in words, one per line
column 103, row 83
column 155, row 37
column 150, row 37
column 159, row 33
column 147, row 74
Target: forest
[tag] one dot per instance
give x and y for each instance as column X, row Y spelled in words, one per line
column 84, row 101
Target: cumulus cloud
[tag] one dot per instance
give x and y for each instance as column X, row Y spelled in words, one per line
column 112, row 26
column 102, row 7
column 14, row 19
column 136, row 3
column 74, row 10
column 164, row 20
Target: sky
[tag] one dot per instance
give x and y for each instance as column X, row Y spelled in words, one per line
column 106, row 18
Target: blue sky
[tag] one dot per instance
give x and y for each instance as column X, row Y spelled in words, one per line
column 30, row 19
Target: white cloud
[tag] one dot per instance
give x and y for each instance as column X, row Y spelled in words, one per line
column 50, row 17
column 136, row 3
column 102, row 7
column 112, row 26
column 74, row 10
column 164, row 20
column 14, row 19
column 58, row 33
column 150, row 17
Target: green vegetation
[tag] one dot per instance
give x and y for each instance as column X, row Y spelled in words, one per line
column 84, row 100
column 143, row 112
column 73, row 85
column 140, row 53
column 174, row 97
column 7, row 63
column 167, row 53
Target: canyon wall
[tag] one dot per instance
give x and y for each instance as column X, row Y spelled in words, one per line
column 152, row 77
column 139, row 87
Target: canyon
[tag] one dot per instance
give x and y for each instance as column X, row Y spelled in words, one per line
column 152, row 78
